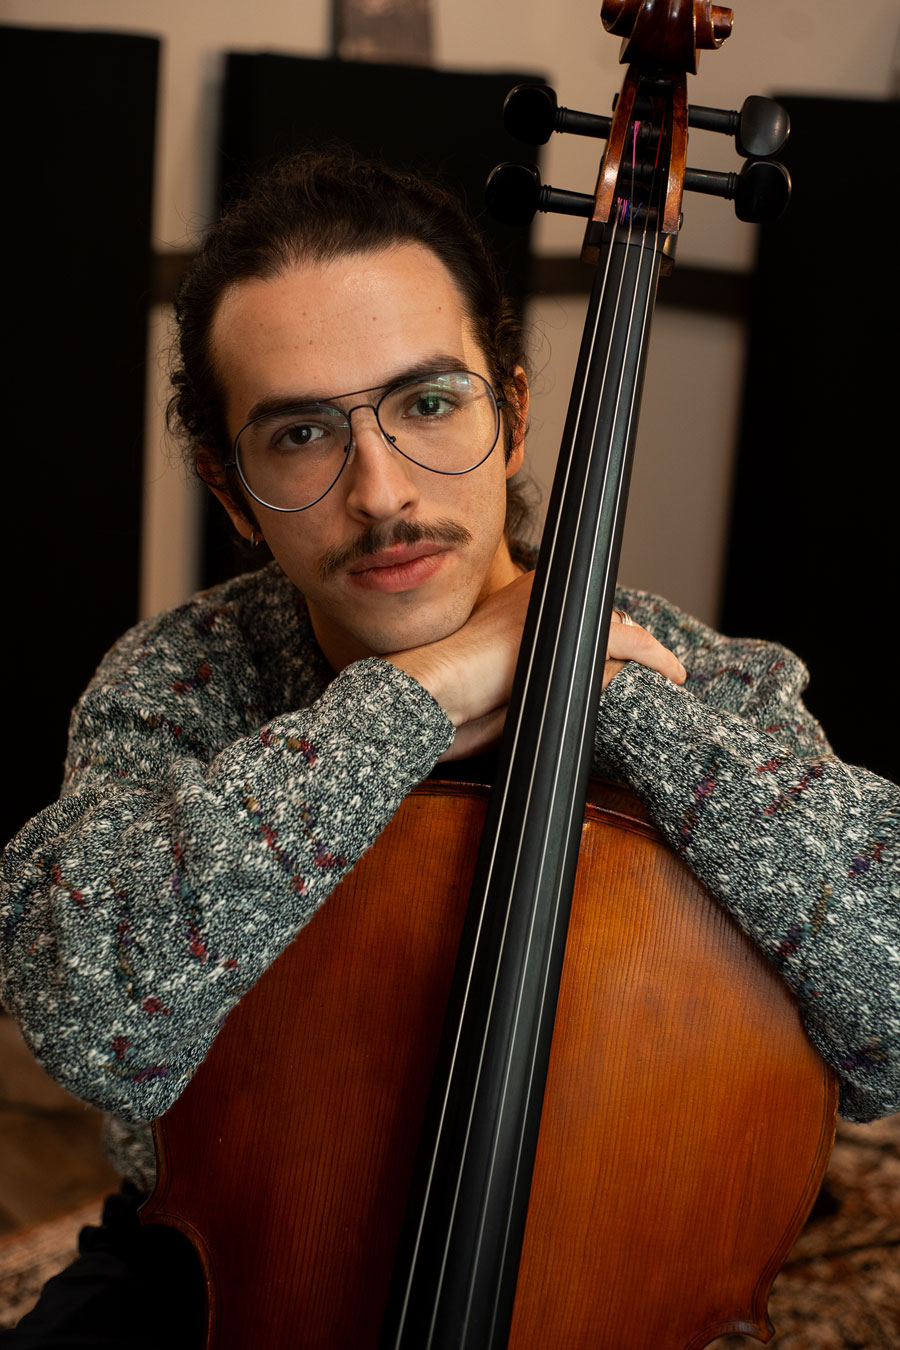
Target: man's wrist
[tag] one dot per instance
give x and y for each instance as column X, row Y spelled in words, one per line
column 433, row 671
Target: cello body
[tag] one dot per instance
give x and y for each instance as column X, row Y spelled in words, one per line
column 686, row 1124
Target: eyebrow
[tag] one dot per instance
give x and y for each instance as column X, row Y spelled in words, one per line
column 275, row 403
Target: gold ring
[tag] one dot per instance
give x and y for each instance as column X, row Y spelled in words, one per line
column 624, row 618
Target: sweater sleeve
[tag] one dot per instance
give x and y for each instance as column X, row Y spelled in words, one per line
column 800, row 848
column 138, row 909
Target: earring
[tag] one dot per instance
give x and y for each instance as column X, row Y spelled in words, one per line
column 254, row 542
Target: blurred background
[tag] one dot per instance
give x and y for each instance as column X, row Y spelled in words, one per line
column 765, row 489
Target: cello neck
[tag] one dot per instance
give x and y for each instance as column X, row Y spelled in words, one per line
column 455, row 1277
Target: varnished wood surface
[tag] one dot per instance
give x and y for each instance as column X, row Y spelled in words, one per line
column 666, row 1010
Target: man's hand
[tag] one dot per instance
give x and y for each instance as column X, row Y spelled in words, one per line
column 470, row 673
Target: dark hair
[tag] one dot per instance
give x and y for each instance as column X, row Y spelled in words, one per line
column 317, row 207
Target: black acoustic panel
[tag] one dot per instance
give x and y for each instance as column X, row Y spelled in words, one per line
column 80, row 112
column 443, row 123
column 814, row 540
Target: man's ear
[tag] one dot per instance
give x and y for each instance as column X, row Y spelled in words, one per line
column 519, row 401
column 211, row 473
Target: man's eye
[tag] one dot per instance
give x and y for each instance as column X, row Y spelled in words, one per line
column 430, row 405
column 300, row 435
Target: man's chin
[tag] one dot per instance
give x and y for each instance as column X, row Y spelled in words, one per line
column 389, row 640
column 346, row 638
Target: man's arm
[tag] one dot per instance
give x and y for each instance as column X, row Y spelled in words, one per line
column 138, row 909
column 801, row 849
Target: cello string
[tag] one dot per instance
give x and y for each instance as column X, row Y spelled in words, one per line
column 581, row 504
column 481, row 916
column 629, row 216
column 562, row 512
column 543, row 999
column 644, row 325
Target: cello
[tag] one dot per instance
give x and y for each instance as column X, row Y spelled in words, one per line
column 537, row 1091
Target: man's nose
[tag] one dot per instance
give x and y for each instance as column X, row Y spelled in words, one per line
column 380, row 481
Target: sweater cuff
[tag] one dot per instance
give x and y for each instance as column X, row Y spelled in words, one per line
column 642, row 718
column 382, row 705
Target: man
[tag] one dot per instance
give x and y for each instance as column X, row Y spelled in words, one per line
column 394, row 559
column 351, row 388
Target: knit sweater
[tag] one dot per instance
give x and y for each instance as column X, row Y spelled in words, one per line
column 221, row 780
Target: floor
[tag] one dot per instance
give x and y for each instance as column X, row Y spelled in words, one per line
column 839, row 1290
column 50, row 1156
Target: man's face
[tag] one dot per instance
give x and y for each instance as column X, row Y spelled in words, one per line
column 373, row 582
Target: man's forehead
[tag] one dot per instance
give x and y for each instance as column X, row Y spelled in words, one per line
column 407, row 279
column 357, row 322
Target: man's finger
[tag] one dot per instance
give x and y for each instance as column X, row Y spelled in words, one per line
column 628, row 641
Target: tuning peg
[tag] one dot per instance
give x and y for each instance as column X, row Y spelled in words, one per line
column 760, row 129
column 531, row 113
column 764, row 190
column 760, row 192
column 514, row 192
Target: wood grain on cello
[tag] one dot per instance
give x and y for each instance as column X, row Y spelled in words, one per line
column 686, row 1121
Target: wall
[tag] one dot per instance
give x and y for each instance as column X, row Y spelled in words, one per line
column 676, row 526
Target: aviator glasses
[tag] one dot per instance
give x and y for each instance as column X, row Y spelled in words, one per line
column 446, row 421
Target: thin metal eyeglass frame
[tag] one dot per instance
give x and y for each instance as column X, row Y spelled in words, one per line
column 235, row 463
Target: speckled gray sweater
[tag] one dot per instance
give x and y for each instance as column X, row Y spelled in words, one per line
column 221, row 781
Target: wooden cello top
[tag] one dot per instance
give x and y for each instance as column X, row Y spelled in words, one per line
column 675, row 1044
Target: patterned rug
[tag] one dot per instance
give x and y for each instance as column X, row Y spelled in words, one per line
column 839, row 1290
column 31, row 1256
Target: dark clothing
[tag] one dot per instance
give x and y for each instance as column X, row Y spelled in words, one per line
column 132, row 1287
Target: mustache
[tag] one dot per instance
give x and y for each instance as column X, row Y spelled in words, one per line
column 378, row 537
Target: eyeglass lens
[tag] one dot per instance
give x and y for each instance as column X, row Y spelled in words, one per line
column 447, row 422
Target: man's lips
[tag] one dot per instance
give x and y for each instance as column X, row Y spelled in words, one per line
column 396, row 555
column 398, row 568
column 403, row 542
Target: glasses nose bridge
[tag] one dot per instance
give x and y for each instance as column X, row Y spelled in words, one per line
column 373, row 407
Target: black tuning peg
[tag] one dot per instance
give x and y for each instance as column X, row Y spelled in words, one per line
column 514, row 192
column 761, row 191
column 531, row 114
column 760, row 129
